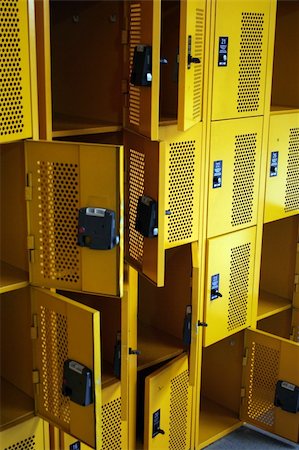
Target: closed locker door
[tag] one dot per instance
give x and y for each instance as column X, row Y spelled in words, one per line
column 66, row 344
column 167, row 418
column 240, row 57
column 282, row 188
column 75, row 205
column 235, row 153
column 229, row 283
column 26, row 435
column 271, row 376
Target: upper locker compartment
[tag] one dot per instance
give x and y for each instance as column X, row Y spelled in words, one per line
column 75, row 206
column 166, row 45
column 240, row 58
column 16, row 56
column 162, row 197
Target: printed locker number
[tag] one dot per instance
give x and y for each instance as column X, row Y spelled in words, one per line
column 217, row 174
column 156, row 424
column 75, row 446
column 222, row 51
column 215, row 282
column 274, row 164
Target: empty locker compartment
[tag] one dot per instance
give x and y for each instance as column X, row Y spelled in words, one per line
column 284, row 324
column 282, row 185
column 278, row 267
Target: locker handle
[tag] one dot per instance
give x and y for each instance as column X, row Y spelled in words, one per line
column 215, row 293
column 191, row 59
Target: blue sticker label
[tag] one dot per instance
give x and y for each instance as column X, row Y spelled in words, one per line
column 215, row 279
column 217, row 174
column 156, row 423
column 274, row 164
column 222, row 51
column 75, row 446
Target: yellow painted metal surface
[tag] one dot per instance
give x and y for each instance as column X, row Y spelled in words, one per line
column 16, row 118
column 295, row 325
column 66, row 330
column 28, row 434
column 269, row 359
column 239, row 85
column 231, row 259
column 67, row 440
column 236, row 145
column 192, row 33
column 282, row 187
column 66, row 177
column 167, row 391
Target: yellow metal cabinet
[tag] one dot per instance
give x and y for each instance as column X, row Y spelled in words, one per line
column 31, row 434
column 240, row 58
column 167, row 172
column 282, row 188
column 229, row 284
column 235, row 152
column 167, row 419
column 17, row 70
column 61, row 179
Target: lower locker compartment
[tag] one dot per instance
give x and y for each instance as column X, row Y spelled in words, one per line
column 283, row 324
column 33, row 434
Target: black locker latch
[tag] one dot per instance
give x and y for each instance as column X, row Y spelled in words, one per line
column 147, row 217
column 187, row 326
column 117, row 356
column 77, row 382
column 287, row 396
column 141, row 74
column 97, row 228
column 191, row 59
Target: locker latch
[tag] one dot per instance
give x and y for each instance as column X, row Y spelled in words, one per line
column 274, row 164
column 141, row 74
column 97, row 228
column 187, row 326
column 215, row 281
column 134, row 352
column 156, row 424
column 287, row 396
column 147, row 217
column 191, row 59
column 77, row 382
column 117, row 356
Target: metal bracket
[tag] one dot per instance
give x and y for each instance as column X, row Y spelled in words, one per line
column 134, row 352
column 202, row 324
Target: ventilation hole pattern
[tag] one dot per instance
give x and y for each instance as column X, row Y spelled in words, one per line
column 135, row 39
column 181, row 190
column 249, row 84
column 292, row 184
column 263, row 377
column 198, row 68
column 243, row 179
column 11, row 82
column 54, row 342
column 111, row 425
column 136, row 189
column 58, row 222
column 178, row 411
column 238, row 286
column 25, row 444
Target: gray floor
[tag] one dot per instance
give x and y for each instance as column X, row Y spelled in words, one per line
column 248, row 438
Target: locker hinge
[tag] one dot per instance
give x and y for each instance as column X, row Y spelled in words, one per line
column 35, row 377
column 124, row 37
column 33, row 329
column 243, row 392
column 245, row 357
column 28, row 188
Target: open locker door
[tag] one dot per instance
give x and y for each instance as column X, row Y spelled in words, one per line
column 271, row 361
column 191, row 53
column 167, row 407
column 144, row 41
column 67, row 356
column 75, row 204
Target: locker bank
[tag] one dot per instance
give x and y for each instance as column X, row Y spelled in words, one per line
column 149, row 222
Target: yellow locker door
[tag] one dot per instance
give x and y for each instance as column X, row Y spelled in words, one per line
column 270, row 360
column 240, row 57
column 282, row 188
column 191, row 62
column 235, row 155
column 295, row 325
column 167, row 409
column 143, row 102
column 65, row 330
column 15, row 95
column 229, row 283
column 63, row 178
column 24, row 436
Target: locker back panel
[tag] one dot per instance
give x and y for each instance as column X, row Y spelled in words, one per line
column 231, row 260
column 28, row 435
column 236, row 144
column 282, row 188
column 15, row 95
column 111, row 418
column 239, row 84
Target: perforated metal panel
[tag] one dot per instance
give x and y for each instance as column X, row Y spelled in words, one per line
column 178, row 421
column 292, row 181
column 26, row 444
column 15, row 110
column 181, row 191
column 252, row 35
column 27, row 435
column 111, row 425
column 198, row 68
column 135, row 39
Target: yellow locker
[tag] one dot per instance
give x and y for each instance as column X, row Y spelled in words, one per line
column 61, row 179
column 167, row 172
column 229, row 284
column 282, row 188
column 239, row 58
column 295, row 325
column 235, row 152
column 31, row 434
column 16, row 77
